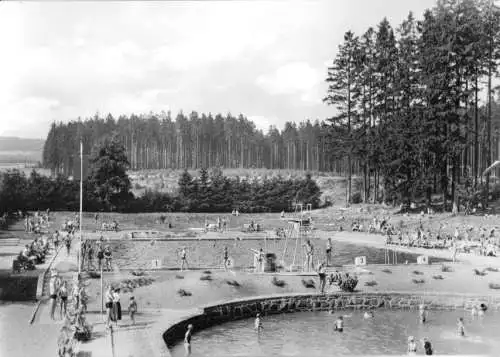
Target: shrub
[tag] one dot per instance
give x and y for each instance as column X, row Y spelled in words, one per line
column 494, row 270
column 277, row 282
column 494, row 286
column 309, row 284
column 183, row 292
column 138, row 273
column 348, row 283
column 387, row 271
column 356, row 198
column 206, row 277
column 418, row 281
column 207, row 272
column 437, row 277
column 416, row 272
column 446, row 269
column 232, row 283
column 479, row 273
column 179, row 277
column 371, row 283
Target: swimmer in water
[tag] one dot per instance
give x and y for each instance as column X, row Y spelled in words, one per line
column 258, row 323
column 368, row 315
column 460, row 327
column 412, row 346
column 422, row 314
column 187, row 340
column 339, row 324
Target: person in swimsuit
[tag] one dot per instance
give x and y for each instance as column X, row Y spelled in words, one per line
column 187, row 340
column 68, row 244
column 63, row 296
column 329, row 252
column 460, row 327
column 339, row 324
column 107, row 257
column 322, row 277
column 309, row 255
column 132, row 309
column 53, row 291
column 109, row 306
column 412, row 346
column 226, row 258
column 258, row 323
column 427, row 347
column 422, row 313
column 184, row 259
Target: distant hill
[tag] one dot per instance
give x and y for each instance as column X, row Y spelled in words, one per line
column 20, row 150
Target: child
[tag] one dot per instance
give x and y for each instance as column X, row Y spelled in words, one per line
column 132, row 309
column 339, row 324
column 412, row 346
column 187, row 340
column 423, row 314
column 258, row 323
column 460, row 327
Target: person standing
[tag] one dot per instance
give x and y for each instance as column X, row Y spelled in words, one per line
column 412, row 346
column 109, row 306
column 184, row 259
column 460, row 327
column 107, row 257
column 100, row 256
column 309, row 255
column 187, row 340
column 63, row 296
column 258, row 323
column 53, row 291
column 132, row 309
column 427, row 347
column 322, row 277
column 90, row 256
column 68, row 244
column 226, row 258
column 117, row 307
column 329, row 252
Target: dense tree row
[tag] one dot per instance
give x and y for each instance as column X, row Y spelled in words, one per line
column 192, row 142
column 407, row 100
column 107, row 188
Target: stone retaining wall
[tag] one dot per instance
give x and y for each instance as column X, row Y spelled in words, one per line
column 246, row 308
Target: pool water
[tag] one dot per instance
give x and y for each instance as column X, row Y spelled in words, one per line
column 311, row 334
column 209, row 253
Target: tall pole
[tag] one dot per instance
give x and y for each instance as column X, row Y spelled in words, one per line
column 81, row 208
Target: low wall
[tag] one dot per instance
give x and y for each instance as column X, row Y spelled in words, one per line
column 246, row 308
column 18, row 287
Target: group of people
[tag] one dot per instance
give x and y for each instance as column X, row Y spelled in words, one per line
column 59, row 293
column 114, row 307
column 96, row 251
column 35, row 223
column 32, row 254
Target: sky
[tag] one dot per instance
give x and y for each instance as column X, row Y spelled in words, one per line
column 265, row 59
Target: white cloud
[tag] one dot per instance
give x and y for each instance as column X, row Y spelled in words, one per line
column 297, row 77
column 262, row 122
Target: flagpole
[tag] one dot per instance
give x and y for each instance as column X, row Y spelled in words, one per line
column 81, row 208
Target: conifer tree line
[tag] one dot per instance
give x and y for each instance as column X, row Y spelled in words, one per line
column 408, row 102
column 194, row 141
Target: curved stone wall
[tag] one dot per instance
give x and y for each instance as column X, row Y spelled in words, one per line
column 277, row 304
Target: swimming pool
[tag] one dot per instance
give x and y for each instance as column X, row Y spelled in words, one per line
column 311, row 334
column 209, row 253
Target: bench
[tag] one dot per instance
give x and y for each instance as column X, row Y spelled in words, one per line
column 9, row 242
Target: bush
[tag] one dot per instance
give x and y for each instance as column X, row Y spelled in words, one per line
column 416, row 272
column 387, row 271
column 356, row 198
column 418, row 281
column 278, row 283
column 348, row 283
column 179, row 277
column 371, row 283
column 437, row 277
column 207, row 272
column 206, row 277
column 493, row 270
column 494, row 286
column 309, row 284
column 183, row 292
column 233, row 283
column 446, row 269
